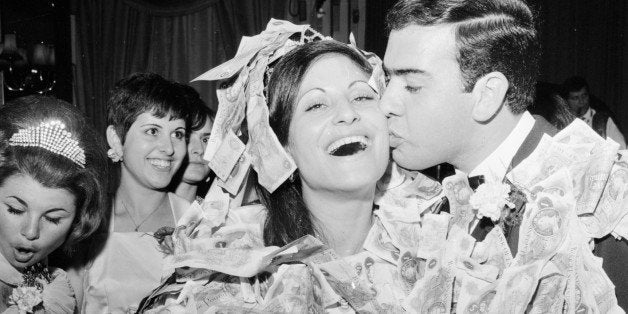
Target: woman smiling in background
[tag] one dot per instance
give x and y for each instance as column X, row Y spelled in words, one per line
column 149, row 120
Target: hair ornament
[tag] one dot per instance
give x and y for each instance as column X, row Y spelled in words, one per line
column 53, row 137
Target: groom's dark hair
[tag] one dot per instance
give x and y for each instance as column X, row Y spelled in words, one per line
column 491, row 35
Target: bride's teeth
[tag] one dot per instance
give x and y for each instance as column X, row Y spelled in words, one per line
column 346, row 140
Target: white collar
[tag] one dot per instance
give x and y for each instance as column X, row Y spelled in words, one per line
column 495, row 166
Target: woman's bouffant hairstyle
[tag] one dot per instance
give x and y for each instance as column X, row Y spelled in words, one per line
column 146, row 92
column 288, row 217
column 88, row 184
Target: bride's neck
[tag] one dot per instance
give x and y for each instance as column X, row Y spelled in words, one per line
column 342, row 220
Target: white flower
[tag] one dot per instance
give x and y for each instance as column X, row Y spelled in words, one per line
column 490, row 198
column 26, row 298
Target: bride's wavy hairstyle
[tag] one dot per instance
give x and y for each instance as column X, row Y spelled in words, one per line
column 88, row 184
column 288, row 216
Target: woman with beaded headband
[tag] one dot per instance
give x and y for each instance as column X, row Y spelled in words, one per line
column 326, row 117
column 53, row 172
column 149, row 119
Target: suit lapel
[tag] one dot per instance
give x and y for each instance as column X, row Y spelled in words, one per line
column 541, row 126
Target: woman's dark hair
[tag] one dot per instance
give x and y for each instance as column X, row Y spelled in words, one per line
column 146, row 92
column 201, row 113
column 549, row 104
column 88, row 184
column 288, row 217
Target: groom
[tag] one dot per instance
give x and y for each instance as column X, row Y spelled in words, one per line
column 460, row 77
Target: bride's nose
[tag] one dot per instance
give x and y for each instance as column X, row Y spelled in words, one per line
column 346, row 113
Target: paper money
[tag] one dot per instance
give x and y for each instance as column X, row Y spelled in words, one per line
column 231, row 112
column 475, row 295
column 292, row 291
column 269, row 159
column 547, row 220
column 578, row 132
column 494, row 250
column 433, row 293
column 516, row 287
column 239, row 172
column 402, row 225
column 545, row 160
column 594, row 177
column 248, row 48
column 379, row 242
column 410, row 268
column 458, row 193
column 433, row 234
column 612, row 205
column 227, row 156
column 349, row 286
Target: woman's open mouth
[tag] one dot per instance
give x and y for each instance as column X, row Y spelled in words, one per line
column 348, row 146
column 23, row 255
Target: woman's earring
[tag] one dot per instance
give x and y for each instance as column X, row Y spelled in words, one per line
column 113, row 155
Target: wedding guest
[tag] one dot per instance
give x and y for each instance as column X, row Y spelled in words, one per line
column 591, row 110
column 149, row 118
column 461, row 76
column 53, row 171
column 193, row 180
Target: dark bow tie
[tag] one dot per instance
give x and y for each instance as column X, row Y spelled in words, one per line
column 443, row 204
column 475, row 181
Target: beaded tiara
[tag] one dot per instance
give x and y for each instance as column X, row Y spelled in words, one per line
column 53, row 137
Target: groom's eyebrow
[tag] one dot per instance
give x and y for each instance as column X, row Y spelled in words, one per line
column 404, row 71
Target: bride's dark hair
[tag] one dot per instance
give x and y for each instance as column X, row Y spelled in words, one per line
column 288, row 217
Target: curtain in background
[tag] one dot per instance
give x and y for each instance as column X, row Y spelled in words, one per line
column 176, row 39
column 590, row 39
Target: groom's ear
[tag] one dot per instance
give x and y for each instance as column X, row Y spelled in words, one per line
column 489, row 93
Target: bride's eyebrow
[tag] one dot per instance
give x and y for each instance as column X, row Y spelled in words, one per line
column 356, row 82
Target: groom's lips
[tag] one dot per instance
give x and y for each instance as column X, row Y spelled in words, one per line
column 394, row 139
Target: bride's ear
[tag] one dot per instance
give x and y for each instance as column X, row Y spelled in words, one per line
column 489, row 93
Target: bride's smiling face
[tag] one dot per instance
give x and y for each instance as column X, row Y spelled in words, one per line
column 338, row 136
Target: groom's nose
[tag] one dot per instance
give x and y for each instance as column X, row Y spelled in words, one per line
column 390, row 103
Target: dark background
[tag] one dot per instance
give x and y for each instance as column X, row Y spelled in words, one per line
column 182, row 39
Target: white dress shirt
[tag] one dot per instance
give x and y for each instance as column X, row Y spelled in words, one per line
column 495, row 166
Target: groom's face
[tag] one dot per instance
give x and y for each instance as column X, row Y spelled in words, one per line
column 427, row 108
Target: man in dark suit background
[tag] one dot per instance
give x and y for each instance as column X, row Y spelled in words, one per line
column 460, row 75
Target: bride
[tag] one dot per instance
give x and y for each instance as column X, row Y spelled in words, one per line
column 327, row 119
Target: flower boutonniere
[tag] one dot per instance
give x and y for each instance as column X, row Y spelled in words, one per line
column 28, row 296
column 490, row 199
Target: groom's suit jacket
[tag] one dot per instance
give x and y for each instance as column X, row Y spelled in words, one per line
column 614, row 252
